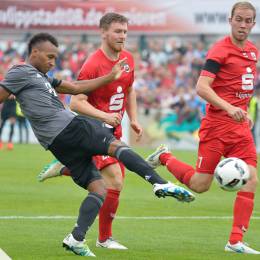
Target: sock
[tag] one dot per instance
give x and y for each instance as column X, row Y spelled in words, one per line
column 107, row 213
column 65, row 171
column 87, row 214
column 137, row 164
column 243, row 208
column 182, row 171
column 11, row 133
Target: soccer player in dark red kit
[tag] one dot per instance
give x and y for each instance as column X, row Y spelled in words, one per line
column 108, row 104
column 227, row 84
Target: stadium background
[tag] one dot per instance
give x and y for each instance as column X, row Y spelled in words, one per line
column 169, row 41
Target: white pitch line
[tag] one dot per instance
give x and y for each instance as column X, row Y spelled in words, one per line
column 125, row 217
column 3, row 255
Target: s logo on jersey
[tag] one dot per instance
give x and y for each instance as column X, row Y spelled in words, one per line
column 248, row 80
column 117, row 101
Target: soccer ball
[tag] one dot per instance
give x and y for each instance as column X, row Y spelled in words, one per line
column 231, row 174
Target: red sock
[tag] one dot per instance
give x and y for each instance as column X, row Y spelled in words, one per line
column 182, row 171
column 243, row 208
column 65, row 171
column 107, row 214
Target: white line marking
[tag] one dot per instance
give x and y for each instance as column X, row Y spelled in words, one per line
column 124, row 217
column 3, row 255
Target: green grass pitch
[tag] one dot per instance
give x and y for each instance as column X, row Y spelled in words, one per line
column 151, row 228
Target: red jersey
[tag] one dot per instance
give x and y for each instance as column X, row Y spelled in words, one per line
column 234, row 82
column 110, row 98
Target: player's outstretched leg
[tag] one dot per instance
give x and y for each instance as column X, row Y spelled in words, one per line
column 154, row 159
column 241, row 248
column 77, row 247
column 50, row 170
column 137, row 164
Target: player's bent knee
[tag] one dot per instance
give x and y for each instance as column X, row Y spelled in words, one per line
column 98, row 187
column 200, row 189
column 117, row 185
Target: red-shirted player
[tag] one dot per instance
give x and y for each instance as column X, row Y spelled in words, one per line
column 226, row 83
column 108, row 104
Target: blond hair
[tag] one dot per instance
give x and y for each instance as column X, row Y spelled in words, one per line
column 243, row 5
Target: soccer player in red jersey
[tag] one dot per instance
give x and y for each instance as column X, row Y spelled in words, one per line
column 107, row 104
column 227, row 84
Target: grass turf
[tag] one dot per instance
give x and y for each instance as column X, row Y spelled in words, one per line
column 161, row 238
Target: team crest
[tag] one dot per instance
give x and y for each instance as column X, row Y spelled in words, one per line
column 126, row 68
column 253, row 55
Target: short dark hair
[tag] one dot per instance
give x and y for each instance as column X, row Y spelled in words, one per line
column 41, row 37
column 244, row 5
column 109, row 18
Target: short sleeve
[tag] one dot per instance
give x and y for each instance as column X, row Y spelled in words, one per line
column 217, row 53
column 15, row 80
column 88, row 71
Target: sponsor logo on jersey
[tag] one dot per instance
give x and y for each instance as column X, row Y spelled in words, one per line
column 126, row 68
column 243, row 95
column 245, row 55
column 253, row 55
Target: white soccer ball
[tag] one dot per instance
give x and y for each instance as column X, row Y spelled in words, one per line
column 231, row 174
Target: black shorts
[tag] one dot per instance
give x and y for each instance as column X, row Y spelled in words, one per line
column 77, row 143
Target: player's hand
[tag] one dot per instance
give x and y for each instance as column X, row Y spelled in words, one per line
column 138, row 130
column 237, row 114
column 12, row 97
column 118, row 69
column 250, row 121
column 113, row 119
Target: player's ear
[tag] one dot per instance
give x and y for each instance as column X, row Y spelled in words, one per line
column 103, row 33
column 34, row 51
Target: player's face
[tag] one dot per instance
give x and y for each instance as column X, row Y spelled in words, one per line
column 241, row 24
column 45, row 55
column 115, row 36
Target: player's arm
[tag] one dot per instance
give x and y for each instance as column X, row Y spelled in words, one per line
column 4, row 94
column 205, row 91
column 86, row 86
column 131, row 109
column 79, row 104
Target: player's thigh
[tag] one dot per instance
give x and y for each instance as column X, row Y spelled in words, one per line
column 112, row 174
column 209, row 155
column 244, row 149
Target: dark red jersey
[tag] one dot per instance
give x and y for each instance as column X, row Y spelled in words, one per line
column 234, row 82
column 110, row 98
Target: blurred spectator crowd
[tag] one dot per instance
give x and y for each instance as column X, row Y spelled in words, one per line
column 166, row 71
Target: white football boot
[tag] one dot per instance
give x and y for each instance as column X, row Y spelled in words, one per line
column 110, row 243
column 154, row 159
column 77, row 247
column 50, row 170
column 241, row 248
column 173, row 190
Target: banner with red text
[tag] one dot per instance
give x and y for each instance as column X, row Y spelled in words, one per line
column 153, row 16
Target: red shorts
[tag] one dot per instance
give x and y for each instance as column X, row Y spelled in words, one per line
column 236, row 141
column 102, row 161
